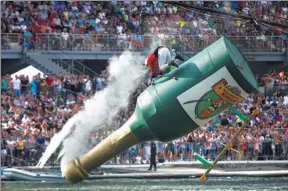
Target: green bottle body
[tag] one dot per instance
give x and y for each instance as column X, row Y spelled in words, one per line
column 190, row 96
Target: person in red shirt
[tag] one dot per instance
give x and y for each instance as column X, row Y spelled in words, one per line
column 49, row 81
column 152, row 63
column 160, row 60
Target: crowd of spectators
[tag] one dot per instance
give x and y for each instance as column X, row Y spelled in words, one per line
column 32, row 111
column 120, row 24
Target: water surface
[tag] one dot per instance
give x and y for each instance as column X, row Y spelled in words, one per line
column 193, row 184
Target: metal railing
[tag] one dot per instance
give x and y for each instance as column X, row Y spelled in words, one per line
column 71, row 65
column 93, row 42
column 76, row 66
column 11, row 41
column 182, row 151
column 12, row 159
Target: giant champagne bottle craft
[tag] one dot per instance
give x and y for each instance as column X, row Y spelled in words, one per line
column 179, row 102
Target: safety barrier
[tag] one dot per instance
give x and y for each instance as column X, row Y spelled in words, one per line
column 11, row 41
column 181, row 151
column 184, row 151
column 89, row 42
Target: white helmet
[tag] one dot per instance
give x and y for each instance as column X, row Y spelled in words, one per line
column 146, row 62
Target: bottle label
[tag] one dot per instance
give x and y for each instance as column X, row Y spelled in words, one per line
column 211, row 96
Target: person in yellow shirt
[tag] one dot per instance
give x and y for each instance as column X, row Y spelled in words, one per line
column 20, row 149
column 238, row 23
column 66, row 14
column 20, row 144
column 43, row 86
column 182, row 23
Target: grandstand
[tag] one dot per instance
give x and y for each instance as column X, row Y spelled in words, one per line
column 70, row 43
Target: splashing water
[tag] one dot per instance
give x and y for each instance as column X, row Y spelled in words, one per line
column 125, row 73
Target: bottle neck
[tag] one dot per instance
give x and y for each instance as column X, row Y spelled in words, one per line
column 79, row 169
column 139, row 126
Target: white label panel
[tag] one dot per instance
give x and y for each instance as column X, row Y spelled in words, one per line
column 211, row 96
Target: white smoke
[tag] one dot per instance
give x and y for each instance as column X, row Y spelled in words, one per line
column 125, row 73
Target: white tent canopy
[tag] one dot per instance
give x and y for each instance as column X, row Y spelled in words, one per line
column 28, row 71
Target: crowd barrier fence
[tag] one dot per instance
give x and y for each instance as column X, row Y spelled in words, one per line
column 93, row 42
column 269, row 149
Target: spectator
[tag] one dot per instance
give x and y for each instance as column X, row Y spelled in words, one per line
column 4, row 84
column 34, row 86
column 16, row 86
column 24, row 84
column 100, row 82
column 65, row 37
column 153, row 156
